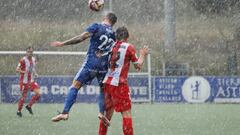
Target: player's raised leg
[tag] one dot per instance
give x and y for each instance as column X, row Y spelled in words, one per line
column 70, row 100
column 82, row 77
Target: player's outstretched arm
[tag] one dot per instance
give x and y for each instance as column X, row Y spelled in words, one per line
column 72, row 41
column 143, row 53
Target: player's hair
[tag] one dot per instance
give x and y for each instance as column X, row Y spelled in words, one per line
column 111, row 17
column 122, row 33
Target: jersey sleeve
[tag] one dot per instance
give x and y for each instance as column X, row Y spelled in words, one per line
column 93, row 28
column 132, row 53
column 21, row 65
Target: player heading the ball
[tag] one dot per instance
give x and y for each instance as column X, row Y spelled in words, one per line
column 102, row 38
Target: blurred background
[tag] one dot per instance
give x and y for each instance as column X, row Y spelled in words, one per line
column 186, row 37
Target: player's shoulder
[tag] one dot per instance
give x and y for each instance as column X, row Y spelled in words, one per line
column 95, row 24
column 130, row 46
column 93, row 28
column 125, row 45
column 23, row 58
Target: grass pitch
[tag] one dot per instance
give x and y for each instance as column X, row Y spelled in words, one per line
column 148, row 119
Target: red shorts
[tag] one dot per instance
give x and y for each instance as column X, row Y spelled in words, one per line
column 117, row 97
column 32, row 86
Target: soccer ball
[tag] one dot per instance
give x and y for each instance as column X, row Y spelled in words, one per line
column 96, row 5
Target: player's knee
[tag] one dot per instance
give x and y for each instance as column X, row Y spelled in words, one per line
column 76, row 84
column 23, row 98
column 109, row 113
column 38, row 96
column 127, row 114
column 24, row 95
column 37, row 92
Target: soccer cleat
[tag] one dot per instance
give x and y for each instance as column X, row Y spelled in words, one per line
column 19, row 114
column 104, row 119
column 29, row 109
column 60, row 117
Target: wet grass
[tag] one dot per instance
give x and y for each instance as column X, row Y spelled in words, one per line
column 148, row 119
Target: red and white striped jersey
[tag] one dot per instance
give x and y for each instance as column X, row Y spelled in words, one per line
column 122, row 54
column 27, row 65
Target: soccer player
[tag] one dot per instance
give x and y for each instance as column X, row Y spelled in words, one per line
column 116, row 90
column 27, row 70
column 102, row 38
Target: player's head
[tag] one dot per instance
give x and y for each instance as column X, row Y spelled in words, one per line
column 110, row 18
column 29, row 51
column 122, row 33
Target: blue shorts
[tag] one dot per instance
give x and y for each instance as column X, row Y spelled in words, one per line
column 86, row 75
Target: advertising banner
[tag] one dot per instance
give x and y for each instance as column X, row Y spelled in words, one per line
column 55, row 88
column 197, row 89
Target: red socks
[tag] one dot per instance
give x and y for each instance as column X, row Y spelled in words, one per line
column 21, row 101
column 33, row 100
column 23, row 98
column 102, row 129
column 127, row 126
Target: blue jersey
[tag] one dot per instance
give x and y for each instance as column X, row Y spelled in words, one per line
column 101, row 42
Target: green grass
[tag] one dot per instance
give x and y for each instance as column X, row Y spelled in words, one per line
column 156, row 119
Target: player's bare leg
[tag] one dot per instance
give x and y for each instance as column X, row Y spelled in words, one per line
column 70, row 99
column 127, row 122
column 104, row 119
column 33, row 100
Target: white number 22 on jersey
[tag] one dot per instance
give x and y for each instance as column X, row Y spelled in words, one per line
column 107, row 42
